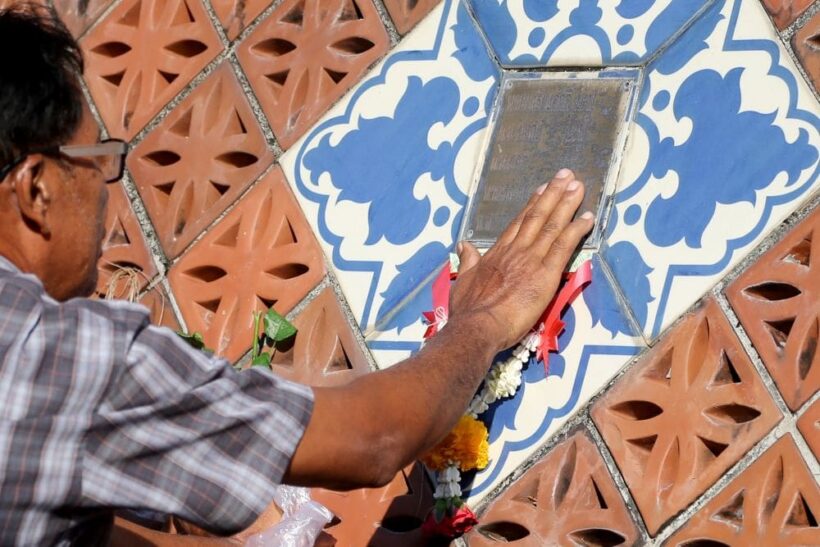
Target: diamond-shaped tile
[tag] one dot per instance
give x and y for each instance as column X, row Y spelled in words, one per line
column 784, row 12
column 809, row 425
column 806, row 44
column 776, row 501
column 778, row 303
column 704, row 181
column 684, row 414
column 306, row 55
column 261, row 255
column 142, row 55
column 381, row 517
column 398, row 156
column 192, row 166
column 324, row 351
column 126, row 265
column 406, row 13
column 567, row 498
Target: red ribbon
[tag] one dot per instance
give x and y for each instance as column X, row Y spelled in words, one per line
column 441, row 302
column 550, row 323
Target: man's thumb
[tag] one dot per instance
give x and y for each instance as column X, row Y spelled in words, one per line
column 468, row 256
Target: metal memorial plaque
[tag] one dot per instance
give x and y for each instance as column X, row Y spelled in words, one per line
column 544, row 124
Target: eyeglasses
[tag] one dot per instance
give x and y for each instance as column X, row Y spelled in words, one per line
column 108, row 156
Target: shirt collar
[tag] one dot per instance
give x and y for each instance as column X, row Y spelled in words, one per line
column 8, row 265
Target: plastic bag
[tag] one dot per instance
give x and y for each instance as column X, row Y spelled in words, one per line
column 302, row 520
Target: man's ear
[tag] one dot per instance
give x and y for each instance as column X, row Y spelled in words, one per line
column 34, row 193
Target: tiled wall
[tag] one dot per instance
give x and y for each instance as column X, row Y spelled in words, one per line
column 317, row 156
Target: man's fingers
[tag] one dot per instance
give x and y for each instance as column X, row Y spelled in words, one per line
column 562, row 248
column 559, row 218
column 534, row 219
column 561, row 178
column 468, row 256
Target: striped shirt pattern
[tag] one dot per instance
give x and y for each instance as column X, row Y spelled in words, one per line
column 99, row 410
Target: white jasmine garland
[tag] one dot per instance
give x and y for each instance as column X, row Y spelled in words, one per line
column 447, row 483
column 504, row 377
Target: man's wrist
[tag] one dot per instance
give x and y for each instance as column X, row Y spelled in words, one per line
column 475, row 332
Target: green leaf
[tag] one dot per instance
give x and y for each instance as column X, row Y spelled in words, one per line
column 277, row 328
column 262, row 360
column 194, row 339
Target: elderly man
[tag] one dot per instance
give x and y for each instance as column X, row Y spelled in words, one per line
column 100, row 410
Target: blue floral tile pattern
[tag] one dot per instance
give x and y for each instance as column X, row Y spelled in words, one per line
column 599, row 339
column 384, row 177
column 581, row 32
column 723, row 148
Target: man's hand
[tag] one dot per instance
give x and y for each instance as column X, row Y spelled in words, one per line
column 362, row 433
column 508, row 288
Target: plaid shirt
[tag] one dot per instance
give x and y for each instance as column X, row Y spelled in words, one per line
column 99, row 410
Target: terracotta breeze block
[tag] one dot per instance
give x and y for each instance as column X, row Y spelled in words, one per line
column 775, row 502
column 568, row 498
column 235, row 15
column 126, row 265
column 324, row 351
column 78, row 15
column 381, row 517
column 684, row 414
column 406, row 13
column 806, row 44
column 784, row 12
column 809, row 426
column 142, row 55
column 778, row 303
column 261, row 255
column 192, row 166
column 306, row 55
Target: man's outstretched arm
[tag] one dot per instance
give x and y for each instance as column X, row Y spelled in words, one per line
column 362, row 433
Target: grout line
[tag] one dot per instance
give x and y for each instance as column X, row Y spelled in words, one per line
column 149, row 234
column 333, row 283
column 256, row 108
column 800, row 21
column 678, row 34
column 387, row 21
column 618, row 479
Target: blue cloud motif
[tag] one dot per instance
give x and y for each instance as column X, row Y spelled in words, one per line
column 369, row 168
column 630, row 9
column 632, row 273
column 600, row 298
column 727, row 158
column 411, row 272
column 471, row 53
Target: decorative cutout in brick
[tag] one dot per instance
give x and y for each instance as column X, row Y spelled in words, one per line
column 142, row 55
column 324, row 351
column 809, row 425
column 235, row 15
column 199, row 160
column 784, row 12
column 778, row 303
column 78, row 15
column 261, row 255
column 381, row 517
column 776, row 501
column 126, row 266
column 683, row 415
column 306, row 55
column 806, row 44
column 406, row 13
column 159, row 304
column 568, row 498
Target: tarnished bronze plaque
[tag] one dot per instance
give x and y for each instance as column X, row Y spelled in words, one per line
column 544, row 124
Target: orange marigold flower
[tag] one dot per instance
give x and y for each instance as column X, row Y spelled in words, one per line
column 466, row 445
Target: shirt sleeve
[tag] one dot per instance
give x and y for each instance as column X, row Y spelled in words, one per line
column 184, row 433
